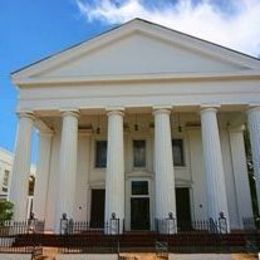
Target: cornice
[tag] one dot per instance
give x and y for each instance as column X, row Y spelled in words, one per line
column 42, row 81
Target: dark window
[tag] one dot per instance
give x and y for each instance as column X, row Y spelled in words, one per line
column 139, row 153
column 4, row 189
column 101, row 154
column 177, row 150
column 6, row 178
column 139, row 187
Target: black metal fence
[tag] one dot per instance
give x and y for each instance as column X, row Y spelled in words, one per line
column 11, row 230
column 171, row 226
column 251, row 223
column 71, row 227
column 81, row 237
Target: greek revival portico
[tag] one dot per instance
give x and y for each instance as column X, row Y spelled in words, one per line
column 115, row 172
column 173, row 87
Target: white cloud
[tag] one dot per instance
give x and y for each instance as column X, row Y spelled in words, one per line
column 238, row 28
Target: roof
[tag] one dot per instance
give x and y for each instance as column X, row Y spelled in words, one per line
column 140, row 22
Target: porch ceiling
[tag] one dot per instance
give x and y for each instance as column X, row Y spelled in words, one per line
column 144, row 118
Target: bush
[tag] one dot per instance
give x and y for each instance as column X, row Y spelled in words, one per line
column 6, row 211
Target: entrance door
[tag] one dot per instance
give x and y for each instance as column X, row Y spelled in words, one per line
column 140, row 214
column 97, row 209
column 183, row 208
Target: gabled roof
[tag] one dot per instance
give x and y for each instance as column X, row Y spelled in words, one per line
column 138, row 25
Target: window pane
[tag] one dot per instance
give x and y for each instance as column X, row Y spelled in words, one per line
column 6, row 178
column 4, row 189
column 101, row 154
column 139, row 187
column 139, row 153
column 177, row 150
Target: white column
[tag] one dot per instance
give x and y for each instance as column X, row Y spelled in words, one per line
column 42, row 175
column 165, row 202
column 115, row 175
column 67, row 165
column 243, row 195
column 254, row 129
column 21, row 166
column 216, row 187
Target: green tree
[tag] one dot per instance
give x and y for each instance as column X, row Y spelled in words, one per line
column 6, row 211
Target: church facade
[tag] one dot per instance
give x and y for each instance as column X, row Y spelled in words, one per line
column 140, row 123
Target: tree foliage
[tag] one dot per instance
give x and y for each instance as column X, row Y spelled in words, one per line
column 6, row 211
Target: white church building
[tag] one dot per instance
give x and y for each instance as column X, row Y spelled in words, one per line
column 141, row 121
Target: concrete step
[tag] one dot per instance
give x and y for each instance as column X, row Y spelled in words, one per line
column 49, row 253
column 141, row 256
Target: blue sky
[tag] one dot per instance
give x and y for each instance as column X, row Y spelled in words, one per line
column 31, row 30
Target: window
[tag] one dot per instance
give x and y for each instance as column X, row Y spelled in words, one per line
column 177, row 150
column 6, row 178
column 140, row 188
column 101, row 154
column 139, row 153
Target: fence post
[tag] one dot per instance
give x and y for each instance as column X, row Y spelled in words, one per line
column 222, row 223
column 114, row 225
column 171, row 224
column 70, row 226
column 64, row 223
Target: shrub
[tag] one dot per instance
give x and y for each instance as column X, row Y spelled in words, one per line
column 6, row 211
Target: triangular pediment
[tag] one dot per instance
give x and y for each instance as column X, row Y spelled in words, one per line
column 140, row 48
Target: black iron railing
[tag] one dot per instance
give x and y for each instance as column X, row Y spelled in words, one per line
column 251, row 227
column 71, row 227
column 171, row 226
column 79, row 237
column 251, row 223
column 11, row 228
column 10, row 231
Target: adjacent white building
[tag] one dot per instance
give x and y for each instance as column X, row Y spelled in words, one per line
column 141, row 121
column 6, row 164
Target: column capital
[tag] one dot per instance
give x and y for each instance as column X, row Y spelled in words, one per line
column 43, row 128
column 162, row 110
column 26, row 114
column 209, row 108
column 237, row 129
column 46, row 132
column 253, row 107
column 70, row 112
column 115, row 111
